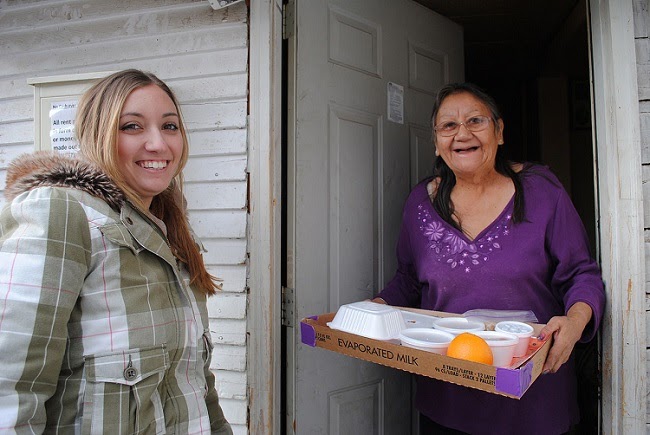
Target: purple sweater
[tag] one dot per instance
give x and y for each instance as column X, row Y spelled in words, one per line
column 542, row 264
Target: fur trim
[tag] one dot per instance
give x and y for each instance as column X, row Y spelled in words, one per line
column 46, row 168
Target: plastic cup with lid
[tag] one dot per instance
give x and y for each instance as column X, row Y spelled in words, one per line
column 502, row 345
column 458, row 325
column 427, row 339
column 522, row 330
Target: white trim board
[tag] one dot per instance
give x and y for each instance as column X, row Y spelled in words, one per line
column 265, row 153
column 620, row 198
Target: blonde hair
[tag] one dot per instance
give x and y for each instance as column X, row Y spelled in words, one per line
column 97, row 128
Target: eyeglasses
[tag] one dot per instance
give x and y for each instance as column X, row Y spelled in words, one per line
column 473, row 124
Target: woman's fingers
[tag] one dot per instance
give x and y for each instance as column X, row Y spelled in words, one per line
column 565, row 333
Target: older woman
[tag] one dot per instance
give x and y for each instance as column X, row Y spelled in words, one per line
column 104, row 325
column 486, row 233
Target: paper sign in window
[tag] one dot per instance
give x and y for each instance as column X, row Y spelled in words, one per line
column 62, row 134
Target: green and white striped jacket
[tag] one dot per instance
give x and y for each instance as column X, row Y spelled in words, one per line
column 100, row 331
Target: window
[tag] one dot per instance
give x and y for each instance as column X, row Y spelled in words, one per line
column 55, row 106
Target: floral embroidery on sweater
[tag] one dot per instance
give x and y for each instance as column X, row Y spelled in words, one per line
column 450, row 248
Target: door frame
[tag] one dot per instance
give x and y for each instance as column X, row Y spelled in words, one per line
column 620, row 214
column 264, row 218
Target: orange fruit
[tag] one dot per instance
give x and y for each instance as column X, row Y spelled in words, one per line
column 470, row 347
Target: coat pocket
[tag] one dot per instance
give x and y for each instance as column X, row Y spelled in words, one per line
column 208, row 347
column 206, row 354
column 122, row 392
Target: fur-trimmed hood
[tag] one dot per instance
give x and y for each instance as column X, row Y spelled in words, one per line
column 46, row 168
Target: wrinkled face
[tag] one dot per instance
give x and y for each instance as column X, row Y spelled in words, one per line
column 468, row 153
column 149, row 143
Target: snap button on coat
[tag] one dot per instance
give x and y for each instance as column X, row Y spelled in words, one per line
column 130, row 373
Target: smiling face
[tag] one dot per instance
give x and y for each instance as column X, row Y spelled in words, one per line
column 468, row 154
column 149, row 142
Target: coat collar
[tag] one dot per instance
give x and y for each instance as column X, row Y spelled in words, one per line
column 50, row 169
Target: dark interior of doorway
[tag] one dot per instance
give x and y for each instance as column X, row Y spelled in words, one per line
column 533, row 57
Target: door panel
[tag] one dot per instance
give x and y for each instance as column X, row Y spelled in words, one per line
column 353, row 206
column 349, row 171
column 357, row 409
column 422, row 153
column 354, row 42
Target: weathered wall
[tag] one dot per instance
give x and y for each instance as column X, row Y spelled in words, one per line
column 642, row 42
column 203, row 55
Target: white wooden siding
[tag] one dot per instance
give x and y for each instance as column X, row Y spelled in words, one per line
column 203, row 55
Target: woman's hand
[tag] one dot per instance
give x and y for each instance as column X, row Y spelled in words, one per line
column 379, row 301
column 566, row 331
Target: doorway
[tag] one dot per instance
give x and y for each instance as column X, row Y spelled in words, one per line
column 537, row 68
column 534, row 60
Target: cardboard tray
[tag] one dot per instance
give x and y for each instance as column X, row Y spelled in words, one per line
column 512, row 381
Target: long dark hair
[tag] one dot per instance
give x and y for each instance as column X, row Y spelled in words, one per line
column 447, row 179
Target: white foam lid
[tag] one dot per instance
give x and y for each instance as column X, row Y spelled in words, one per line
column 369, row 319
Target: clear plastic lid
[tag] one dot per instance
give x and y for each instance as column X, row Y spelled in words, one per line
column 517, row 328
column 457, row 325
column 425, row 337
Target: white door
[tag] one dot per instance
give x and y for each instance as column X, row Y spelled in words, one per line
column 351, row 165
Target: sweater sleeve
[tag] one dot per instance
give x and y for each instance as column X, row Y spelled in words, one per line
column 577, row 276
column 43, row 262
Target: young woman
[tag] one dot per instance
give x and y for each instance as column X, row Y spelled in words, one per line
column 103, row 318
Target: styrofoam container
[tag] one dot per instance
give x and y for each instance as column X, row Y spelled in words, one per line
column 369, row 319
column 522, row 330
column 458, row 325
column 431, row 340
column 502, row 345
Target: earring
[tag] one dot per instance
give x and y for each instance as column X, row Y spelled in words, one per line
column 437, row 153
column 500, row 142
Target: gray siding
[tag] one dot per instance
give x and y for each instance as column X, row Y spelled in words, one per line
column 203, row 55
